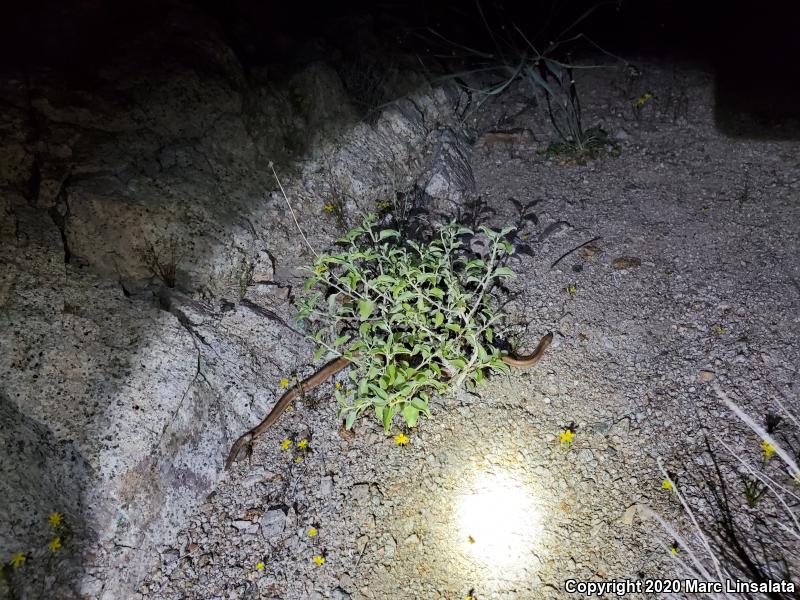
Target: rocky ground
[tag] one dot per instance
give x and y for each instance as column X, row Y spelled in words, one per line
column 693, row 280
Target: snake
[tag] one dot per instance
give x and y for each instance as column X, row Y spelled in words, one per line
column 332, row 368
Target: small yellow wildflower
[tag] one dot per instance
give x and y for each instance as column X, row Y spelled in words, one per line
column 312, row 532
column 572, row 289
column 666, row 485
column 55, row 545
column 401, row 439
column 329, row 207
column 338, row 385
column 674, row 549
column 320, row 560
column 302, row 444
column 56, row 519
column 285, row 444
column 17, row 559
column 566, row 437
column 643, row 99
column 260, row 566
column 298, row 459
column 284, row 383
column 320, row 269
column 768, row 448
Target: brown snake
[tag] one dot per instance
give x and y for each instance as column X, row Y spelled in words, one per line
column 328, row 371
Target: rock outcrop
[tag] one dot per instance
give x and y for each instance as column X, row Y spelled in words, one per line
column 118, row 402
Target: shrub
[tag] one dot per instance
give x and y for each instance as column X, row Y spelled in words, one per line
column 413, row 318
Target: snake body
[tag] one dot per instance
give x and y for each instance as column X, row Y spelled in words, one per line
column 328, row 371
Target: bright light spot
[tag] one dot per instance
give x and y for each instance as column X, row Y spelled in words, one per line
column 499, row 521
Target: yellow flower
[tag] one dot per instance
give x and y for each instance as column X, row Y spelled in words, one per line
column 329, row 207
column 284, row 383
column 320, row 269
column 17, row 559
column 401, row 439
column 55, row 545
column 566, row 437
column 666, row 485
column 298, row 459
column 643, row 99
column 768, row 448
column 312, row 532
column 302, row 444
column 572, row 289
column 338, row 385
column 320, row 560
column 285, row 444
column 260, row 566
column 56, row 519
column 674, row 549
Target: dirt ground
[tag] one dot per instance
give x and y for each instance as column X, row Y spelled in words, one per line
column 694, row 279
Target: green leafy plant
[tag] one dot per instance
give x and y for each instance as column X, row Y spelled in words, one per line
column 413, row 318
column 753, row 490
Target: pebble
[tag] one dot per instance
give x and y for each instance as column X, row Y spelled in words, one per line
column 705, row 376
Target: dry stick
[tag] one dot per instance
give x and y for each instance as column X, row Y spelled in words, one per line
column 566, row 254
column 291, row 210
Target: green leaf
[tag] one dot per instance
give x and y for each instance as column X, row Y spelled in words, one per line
column 385, row 233
column 350, row 419
column 365, row 308
column 388, row 413
column 504, row 272
column 421, row 404
column 410, row 414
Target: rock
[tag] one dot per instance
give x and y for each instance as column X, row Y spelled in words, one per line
column 360, row 493
column 273, row 523
column 339, row 594
column 705, row 376
column 450, row 180
column 623, row 262
column 620, row 135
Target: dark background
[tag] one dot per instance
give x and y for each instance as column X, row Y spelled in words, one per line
column 753, row 47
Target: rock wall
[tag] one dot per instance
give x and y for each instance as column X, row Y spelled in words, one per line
column 146, row 272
